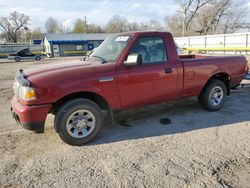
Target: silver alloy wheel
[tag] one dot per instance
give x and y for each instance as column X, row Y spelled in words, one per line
column 80, row 123
column 216, row 96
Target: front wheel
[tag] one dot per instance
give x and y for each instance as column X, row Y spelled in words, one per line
column 78, row 121
column 213, row 95
column 17, row 59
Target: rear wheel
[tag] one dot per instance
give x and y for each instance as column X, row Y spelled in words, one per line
column 37, row 58
column 79, row 121
column 213, row 95
column 17, row 59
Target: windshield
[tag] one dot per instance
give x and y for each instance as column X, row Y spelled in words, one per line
column 111, row 48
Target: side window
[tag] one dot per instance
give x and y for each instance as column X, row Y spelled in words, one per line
column 28, row 53
column 21, row 53
column 152, row 50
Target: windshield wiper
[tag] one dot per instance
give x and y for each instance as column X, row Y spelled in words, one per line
column 99, row 57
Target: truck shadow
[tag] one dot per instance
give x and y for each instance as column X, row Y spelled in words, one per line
column 175, row 117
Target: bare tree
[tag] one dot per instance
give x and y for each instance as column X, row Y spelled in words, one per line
column 233, row 19
column 116, row 24
column 92, row 28
column 206, row 17
column 151, row 25
column 232, row 24
column 36, row 33
column 174, row 25
column 53, row 26
column 189, row 9
column 133, row 26
column 12, row 26
column 222, row 16
column 209, row 22
column 184, row 6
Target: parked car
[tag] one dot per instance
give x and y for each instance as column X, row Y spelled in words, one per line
column 127, row 70
column 247, row 77
column 24, row 54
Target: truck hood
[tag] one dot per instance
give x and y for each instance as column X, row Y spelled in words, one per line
column 63, row 71
column 57, row 80
column 55, row 67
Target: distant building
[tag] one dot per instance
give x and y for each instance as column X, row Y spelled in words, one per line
column 71, row 43
column 36, row 41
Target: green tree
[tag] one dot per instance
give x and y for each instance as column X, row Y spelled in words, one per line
column 80, row 26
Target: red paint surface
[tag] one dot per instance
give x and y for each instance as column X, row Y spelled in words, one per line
column 131, row 86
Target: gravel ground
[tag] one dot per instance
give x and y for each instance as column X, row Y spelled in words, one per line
column 177, row 144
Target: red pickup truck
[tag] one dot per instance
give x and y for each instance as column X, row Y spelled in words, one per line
column 127, row 70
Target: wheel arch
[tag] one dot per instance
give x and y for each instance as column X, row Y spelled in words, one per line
column 18, row 57
column 37, row 56
column 98, row 99
column 222, row 76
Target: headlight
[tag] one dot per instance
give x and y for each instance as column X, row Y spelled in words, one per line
column 27, row 93
column 16, row 86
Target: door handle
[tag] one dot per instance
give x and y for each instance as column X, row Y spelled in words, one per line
column 169, row 70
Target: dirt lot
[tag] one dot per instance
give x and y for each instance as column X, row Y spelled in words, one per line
column 168, row 145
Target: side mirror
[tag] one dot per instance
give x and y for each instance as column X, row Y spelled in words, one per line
column 133, row 60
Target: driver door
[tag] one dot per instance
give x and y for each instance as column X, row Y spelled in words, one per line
column 154, row 80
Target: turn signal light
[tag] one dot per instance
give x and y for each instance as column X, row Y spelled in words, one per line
column 30, row 94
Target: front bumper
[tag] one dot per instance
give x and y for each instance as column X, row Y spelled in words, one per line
column 11, row 57
column 30, row 117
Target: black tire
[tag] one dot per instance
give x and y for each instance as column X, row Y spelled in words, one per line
column 37, row 58
column 17, row 59
column 214, row 91
column 70, row 109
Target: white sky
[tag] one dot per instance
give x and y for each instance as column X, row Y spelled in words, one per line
column 97, row 11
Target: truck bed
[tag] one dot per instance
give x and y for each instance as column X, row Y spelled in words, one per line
column 197, row 67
